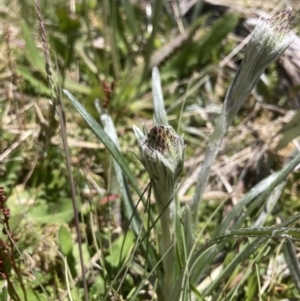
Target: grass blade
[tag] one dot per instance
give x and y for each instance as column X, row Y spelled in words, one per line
column 160, row 115
column 105, row 139
column 292, row 261
column 31, row 51
column 257, row 195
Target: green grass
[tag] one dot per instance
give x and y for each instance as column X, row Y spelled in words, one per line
column 78, row 194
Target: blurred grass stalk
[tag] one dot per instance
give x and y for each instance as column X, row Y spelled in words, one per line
column 268, row 41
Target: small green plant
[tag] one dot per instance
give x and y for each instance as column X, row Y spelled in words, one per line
column 122, row 215
column 162, row 155
column 269, row 40
column 184, row 263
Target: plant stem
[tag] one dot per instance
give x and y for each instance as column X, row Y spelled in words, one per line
column 167, row 248
column 210, row 155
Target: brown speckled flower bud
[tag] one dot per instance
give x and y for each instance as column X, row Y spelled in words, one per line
column 162, row 153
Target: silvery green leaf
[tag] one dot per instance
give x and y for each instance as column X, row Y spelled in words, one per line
column 160, row 116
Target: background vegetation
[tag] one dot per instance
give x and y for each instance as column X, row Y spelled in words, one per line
column 105, row 50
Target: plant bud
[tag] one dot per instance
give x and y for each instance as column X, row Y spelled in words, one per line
column 162, row 154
